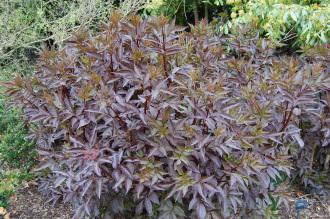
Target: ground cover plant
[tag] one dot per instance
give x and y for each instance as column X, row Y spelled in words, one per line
column 181, row 123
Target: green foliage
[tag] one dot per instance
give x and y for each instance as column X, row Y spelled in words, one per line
column 15, row 149
column 17, row 155
column 186, row 11
column 294, row 22
column 9, row 180
column 271, row 211
column 298, row 23
column 5, row 193
column 28, row 26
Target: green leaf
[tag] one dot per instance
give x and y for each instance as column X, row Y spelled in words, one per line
column 293, row 16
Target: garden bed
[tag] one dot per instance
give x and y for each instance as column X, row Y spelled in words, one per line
column 30, row 204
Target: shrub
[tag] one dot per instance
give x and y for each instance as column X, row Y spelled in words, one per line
column 28, row 26
column 180, row 123
column 15, row 149
column 17, row 155
column 297, row 23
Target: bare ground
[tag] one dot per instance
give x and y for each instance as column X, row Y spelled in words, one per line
column 318, row 207
column 30, row 204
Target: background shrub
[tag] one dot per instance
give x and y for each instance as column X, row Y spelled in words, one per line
column 297, row 23
column 26, row 27
column 186, row 123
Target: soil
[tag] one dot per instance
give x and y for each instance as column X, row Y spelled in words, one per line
column 318, row 207
column 30, row 204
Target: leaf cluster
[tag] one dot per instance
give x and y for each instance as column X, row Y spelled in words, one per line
column 183, row 124
column 28, row 26
column 297, row 23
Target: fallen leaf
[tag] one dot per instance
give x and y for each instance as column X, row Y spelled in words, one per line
column 299, row 194
column 4, row 213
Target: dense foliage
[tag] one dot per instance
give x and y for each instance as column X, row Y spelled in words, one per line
column 292, row 22
column 182, row 123
column 188, row 11
column 15, row 148
column 297, row 23
column 17, row 156
column 28, row 26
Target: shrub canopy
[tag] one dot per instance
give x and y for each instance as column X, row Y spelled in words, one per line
column 296, row 23
column 182, row 123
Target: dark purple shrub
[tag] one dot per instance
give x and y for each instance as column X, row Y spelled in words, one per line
column 180, row 123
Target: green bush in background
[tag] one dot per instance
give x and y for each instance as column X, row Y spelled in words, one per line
column 187, row 11
column 28, row 26
column 297, row 23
